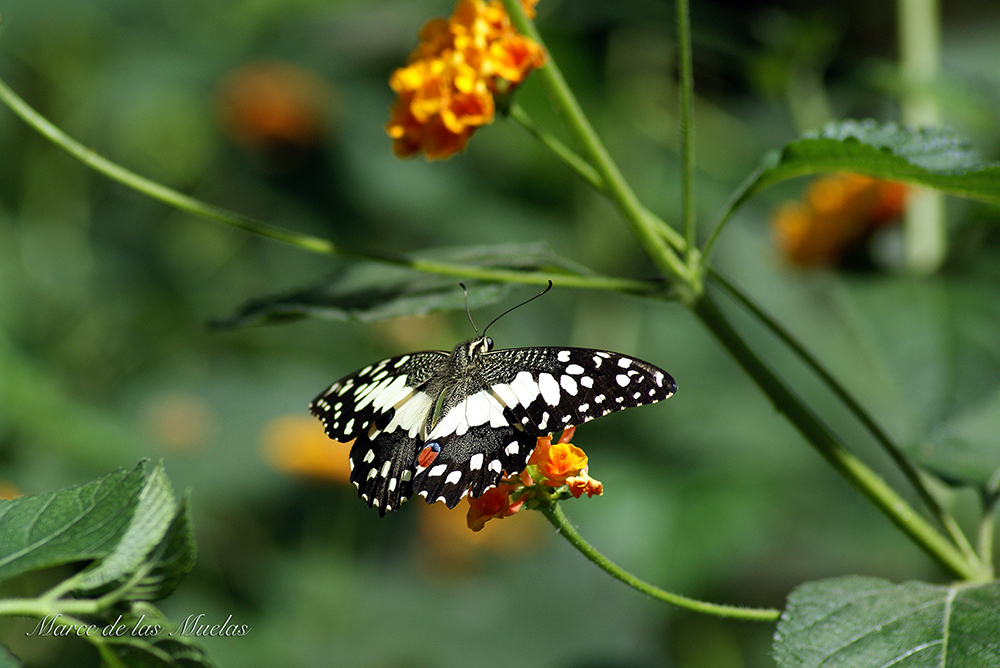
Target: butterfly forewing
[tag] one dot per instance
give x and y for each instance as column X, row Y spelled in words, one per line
column 548, row 389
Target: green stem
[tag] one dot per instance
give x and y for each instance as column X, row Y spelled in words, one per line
column 919, row 31
column 565, row 153
column 305, row 242
column 894, row 451
column 588, row 173
column 616, row 187
column 151, row 188
column 687, row 123
column 987, row 528
column 555, row 515
column 842, row 460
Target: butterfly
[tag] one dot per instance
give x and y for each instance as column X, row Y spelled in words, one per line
column 443, row 425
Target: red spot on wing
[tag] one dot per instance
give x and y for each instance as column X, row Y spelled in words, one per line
column 428, row 455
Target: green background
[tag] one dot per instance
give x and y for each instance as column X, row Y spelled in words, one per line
column 106, row 356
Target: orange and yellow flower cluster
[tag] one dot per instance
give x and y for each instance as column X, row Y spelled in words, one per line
column 554, row 471
column 447, row 90
column 837, row 214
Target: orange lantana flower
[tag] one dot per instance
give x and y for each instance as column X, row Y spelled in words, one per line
column 447, row 90
column 557, row 462
column 554, row 471
column 493, row 504
column 836, row 215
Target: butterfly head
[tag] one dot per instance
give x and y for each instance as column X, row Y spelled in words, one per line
column 478, row 346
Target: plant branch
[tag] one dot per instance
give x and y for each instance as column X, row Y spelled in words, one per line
column 309, row 243
column 832, row 450
column 554, row 514
column 589, row 174
column 687, row 123
column 616, row 188
column 894, row 451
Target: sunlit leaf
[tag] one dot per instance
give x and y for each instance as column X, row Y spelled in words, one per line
column 74, row 524
column 150, row 520
column 928, row 157
column 862, row 622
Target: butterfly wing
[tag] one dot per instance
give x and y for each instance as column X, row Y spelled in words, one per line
column 383, row 408
column 545, row 390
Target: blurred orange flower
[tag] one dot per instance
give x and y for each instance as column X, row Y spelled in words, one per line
column 294, row 445
column 274, row 107
column 447, row 89
column 836, row 215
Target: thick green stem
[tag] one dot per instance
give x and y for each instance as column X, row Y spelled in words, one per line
column 919, row 30
column 895, row 453
column 687, row 123
column 555, row 515
column 615, row 186
column 843, row 461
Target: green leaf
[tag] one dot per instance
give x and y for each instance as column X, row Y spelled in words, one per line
column 174, row 557
column 162, row 646
column 152, row 517
column 74, row 524
column 373, row 291
column 863, row 622
column 928, row 157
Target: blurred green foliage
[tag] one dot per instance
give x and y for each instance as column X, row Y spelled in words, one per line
column 105, row 356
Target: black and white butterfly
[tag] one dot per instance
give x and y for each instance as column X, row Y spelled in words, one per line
column 443, row 425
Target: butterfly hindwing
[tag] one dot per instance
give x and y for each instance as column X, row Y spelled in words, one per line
column 382, row 467
column 472, row 463
column 547, row 389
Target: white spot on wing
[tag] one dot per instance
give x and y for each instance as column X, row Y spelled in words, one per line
column 512, row 448
column 549, row 388
column 437, row 470
column 624, row 362
column 476, row 462
column 622, row 379
column 369, row 457
column 574, row 369
column 563, row 356
column 453, row 478
column 411, row 414
column 567, row 383
column 524, row 388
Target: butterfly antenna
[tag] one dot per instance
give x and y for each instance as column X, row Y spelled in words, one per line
column 547, row 288
column 467, row 311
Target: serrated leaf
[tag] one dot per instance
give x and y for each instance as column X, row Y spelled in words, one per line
column 175, row 556
column 152, row 517
column 928, row 157
column 74, row 524
column 859, row 622
column 373, row 291
column 151, row 641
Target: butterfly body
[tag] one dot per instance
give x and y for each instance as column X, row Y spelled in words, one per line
column 443, row 425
